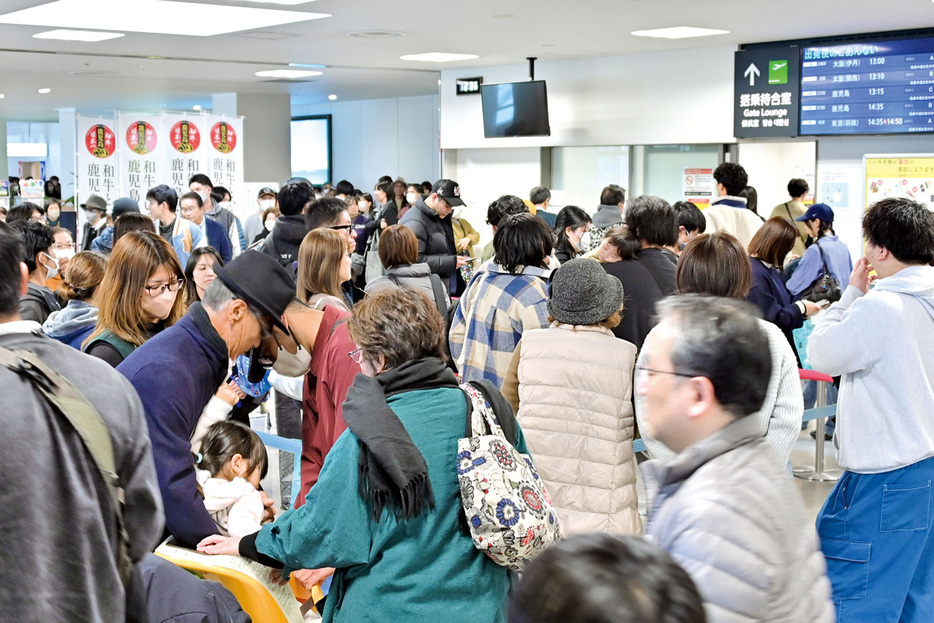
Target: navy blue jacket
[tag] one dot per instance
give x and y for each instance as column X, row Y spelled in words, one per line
column 770, row 295
column 175, row 374
column 218, row 238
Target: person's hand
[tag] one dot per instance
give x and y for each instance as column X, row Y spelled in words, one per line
column 309, row 577
column 230, row 393
column 462, row 260
column 463, row 243
column 383, row 224
column 810, row 308
column 860, row 277
column 63, row 266
column 269, row 508
column 218, row 544
column 277, row 576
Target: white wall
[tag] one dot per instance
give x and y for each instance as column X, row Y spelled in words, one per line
column 771, row 165
column 666, row 97
column 372, row 138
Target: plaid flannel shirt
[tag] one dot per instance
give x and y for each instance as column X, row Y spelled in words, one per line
column 491, row 317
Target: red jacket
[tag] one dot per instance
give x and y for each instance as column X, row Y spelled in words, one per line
column 331, row 375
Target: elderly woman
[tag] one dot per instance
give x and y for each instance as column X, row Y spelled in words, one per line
column 716, row 265
column 503, row 300
column 386, row 509
column 572, row 387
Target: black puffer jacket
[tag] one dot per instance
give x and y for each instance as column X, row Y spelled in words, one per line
column 285, row 238
column 435, row 238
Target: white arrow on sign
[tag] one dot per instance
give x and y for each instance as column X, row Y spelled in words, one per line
column 751, row 72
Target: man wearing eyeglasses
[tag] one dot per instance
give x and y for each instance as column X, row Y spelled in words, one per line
column 724, row 506
column 330, row 213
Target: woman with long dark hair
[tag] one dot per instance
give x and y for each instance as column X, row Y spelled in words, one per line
column 572, row 233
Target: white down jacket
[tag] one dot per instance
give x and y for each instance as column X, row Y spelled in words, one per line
column 575, row 389
column 728, row 513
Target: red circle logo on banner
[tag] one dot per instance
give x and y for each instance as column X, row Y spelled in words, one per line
column 185, row 137
column 141, row 138
column 100, row 141
column 223, row 137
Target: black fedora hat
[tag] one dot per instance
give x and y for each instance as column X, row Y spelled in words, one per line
column 260, row 281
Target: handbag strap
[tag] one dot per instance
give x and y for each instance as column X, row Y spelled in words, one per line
column 823, row 260
column 804, row 239
column 68, row 400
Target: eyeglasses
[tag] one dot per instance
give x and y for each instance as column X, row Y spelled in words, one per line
column 356, row 356
column 644, row 372
column 158, row 290
column 63, row 246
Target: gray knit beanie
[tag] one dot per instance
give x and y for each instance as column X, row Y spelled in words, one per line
column 582, row 293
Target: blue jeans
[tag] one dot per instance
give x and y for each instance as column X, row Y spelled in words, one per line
column 875, row 532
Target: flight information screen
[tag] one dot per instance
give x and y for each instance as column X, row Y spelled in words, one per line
column 882, row 87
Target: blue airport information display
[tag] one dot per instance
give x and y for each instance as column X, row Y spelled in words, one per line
column 880, row 87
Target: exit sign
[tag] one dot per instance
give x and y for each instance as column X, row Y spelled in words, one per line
column 468, row 86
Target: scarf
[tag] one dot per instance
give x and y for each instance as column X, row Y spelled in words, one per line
column 393, row 471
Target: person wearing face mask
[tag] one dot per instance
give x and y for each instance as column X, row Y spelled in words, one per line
column 95, row 210
column 76, row 321
column 201, row 184
column 572, row 233
column 104, row 243
column 63, row 249
column 242, row 307
column 269, row 216
column 53, row 213
column 254, row 226
column 139, row 296
column 38, row 301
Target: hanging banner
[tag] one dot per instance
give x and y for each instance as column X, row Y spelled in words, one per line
column 97, row 160
column 187, row 150
column 141, row 162
column 226, row 154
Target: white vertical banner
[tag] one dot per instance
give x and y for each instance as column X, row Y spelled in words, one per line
column 225, row 159
column 187, row 149
column 97, row 166
column 142, row 140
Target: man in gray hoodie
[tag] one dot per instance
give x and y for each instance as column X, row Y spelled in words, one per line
column 609, row 214
column 875, row 527
column 724, row 507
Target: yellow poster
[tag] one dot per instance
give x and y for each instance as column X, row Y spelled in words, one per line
column 900, row 176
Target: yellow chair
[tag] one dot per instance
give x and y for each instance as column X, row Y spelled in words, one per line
column 262, row 599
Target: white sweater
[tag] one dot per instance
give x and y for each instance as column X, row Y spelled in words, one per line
column 882, row 344
column 782, row 409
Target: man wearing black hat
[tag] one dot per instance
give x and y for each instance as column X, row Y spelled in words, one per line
column 95, row 209
column 176, row 373
column 430, row 219
column 253, row 225
column 104, row 242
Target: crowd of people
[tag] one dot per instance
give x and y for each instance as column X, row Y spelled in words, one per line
column 370, row 312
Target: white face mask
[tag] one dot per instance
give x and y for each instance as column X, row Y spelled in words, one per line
column 53, row 271
column 205, row 198
column 411, row 197
column 224, row 204
column 265, row 204
column 291, row 365
column 269, row 224
column 585, row 241
column 53, row 215
column 63, row 254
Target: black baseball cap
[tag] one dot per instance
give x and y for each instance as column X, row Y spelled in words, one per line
column 449, row 191
column 266, row 190
column 124, row 205
column 261, row 281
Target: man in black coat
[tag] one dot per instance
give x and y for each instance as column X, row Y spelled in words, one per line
column 286, row 237
column 430, row 219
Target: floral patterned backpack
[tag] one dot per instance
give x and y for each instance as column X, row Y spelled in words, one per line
column 508, row 511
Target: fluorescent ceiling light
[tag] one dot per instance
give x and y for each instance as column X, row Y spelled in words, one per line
column 438, row 57
column 679, row 32
column 164, row 17
column 287, row 73
column 316, row 66
column 44, row 90
column 332, row 97
column 78, row 35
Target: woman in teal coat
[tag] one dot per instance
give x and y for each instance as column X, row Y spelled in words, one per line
column 386, row 510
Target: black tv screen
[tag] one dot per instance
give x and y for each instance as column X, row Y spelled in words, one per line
column 515, row 109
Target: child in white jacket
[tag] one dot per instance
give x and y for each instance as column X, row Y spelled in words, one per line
column 230, row 465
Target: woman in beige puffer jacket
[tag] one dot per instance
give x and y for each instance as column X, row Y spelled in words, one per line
column 571, row 384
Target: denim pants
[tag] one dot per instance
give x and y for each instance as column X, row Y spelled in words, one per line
column 875, row 532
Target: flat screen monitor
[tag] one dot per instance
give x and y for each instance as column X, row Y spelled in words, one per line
column 311, row 148
column 872, row 87
column 515, row 109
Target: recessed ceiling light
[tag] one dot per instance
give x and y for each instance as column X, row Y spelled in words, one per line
column 438, row 57
column 196, row 107
column 2, row 96
column 382, row 34
column 287, row 73
column 161, row 17
column 679, row 32
column 43, row 91
column 78, row 35
column 332, row 97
